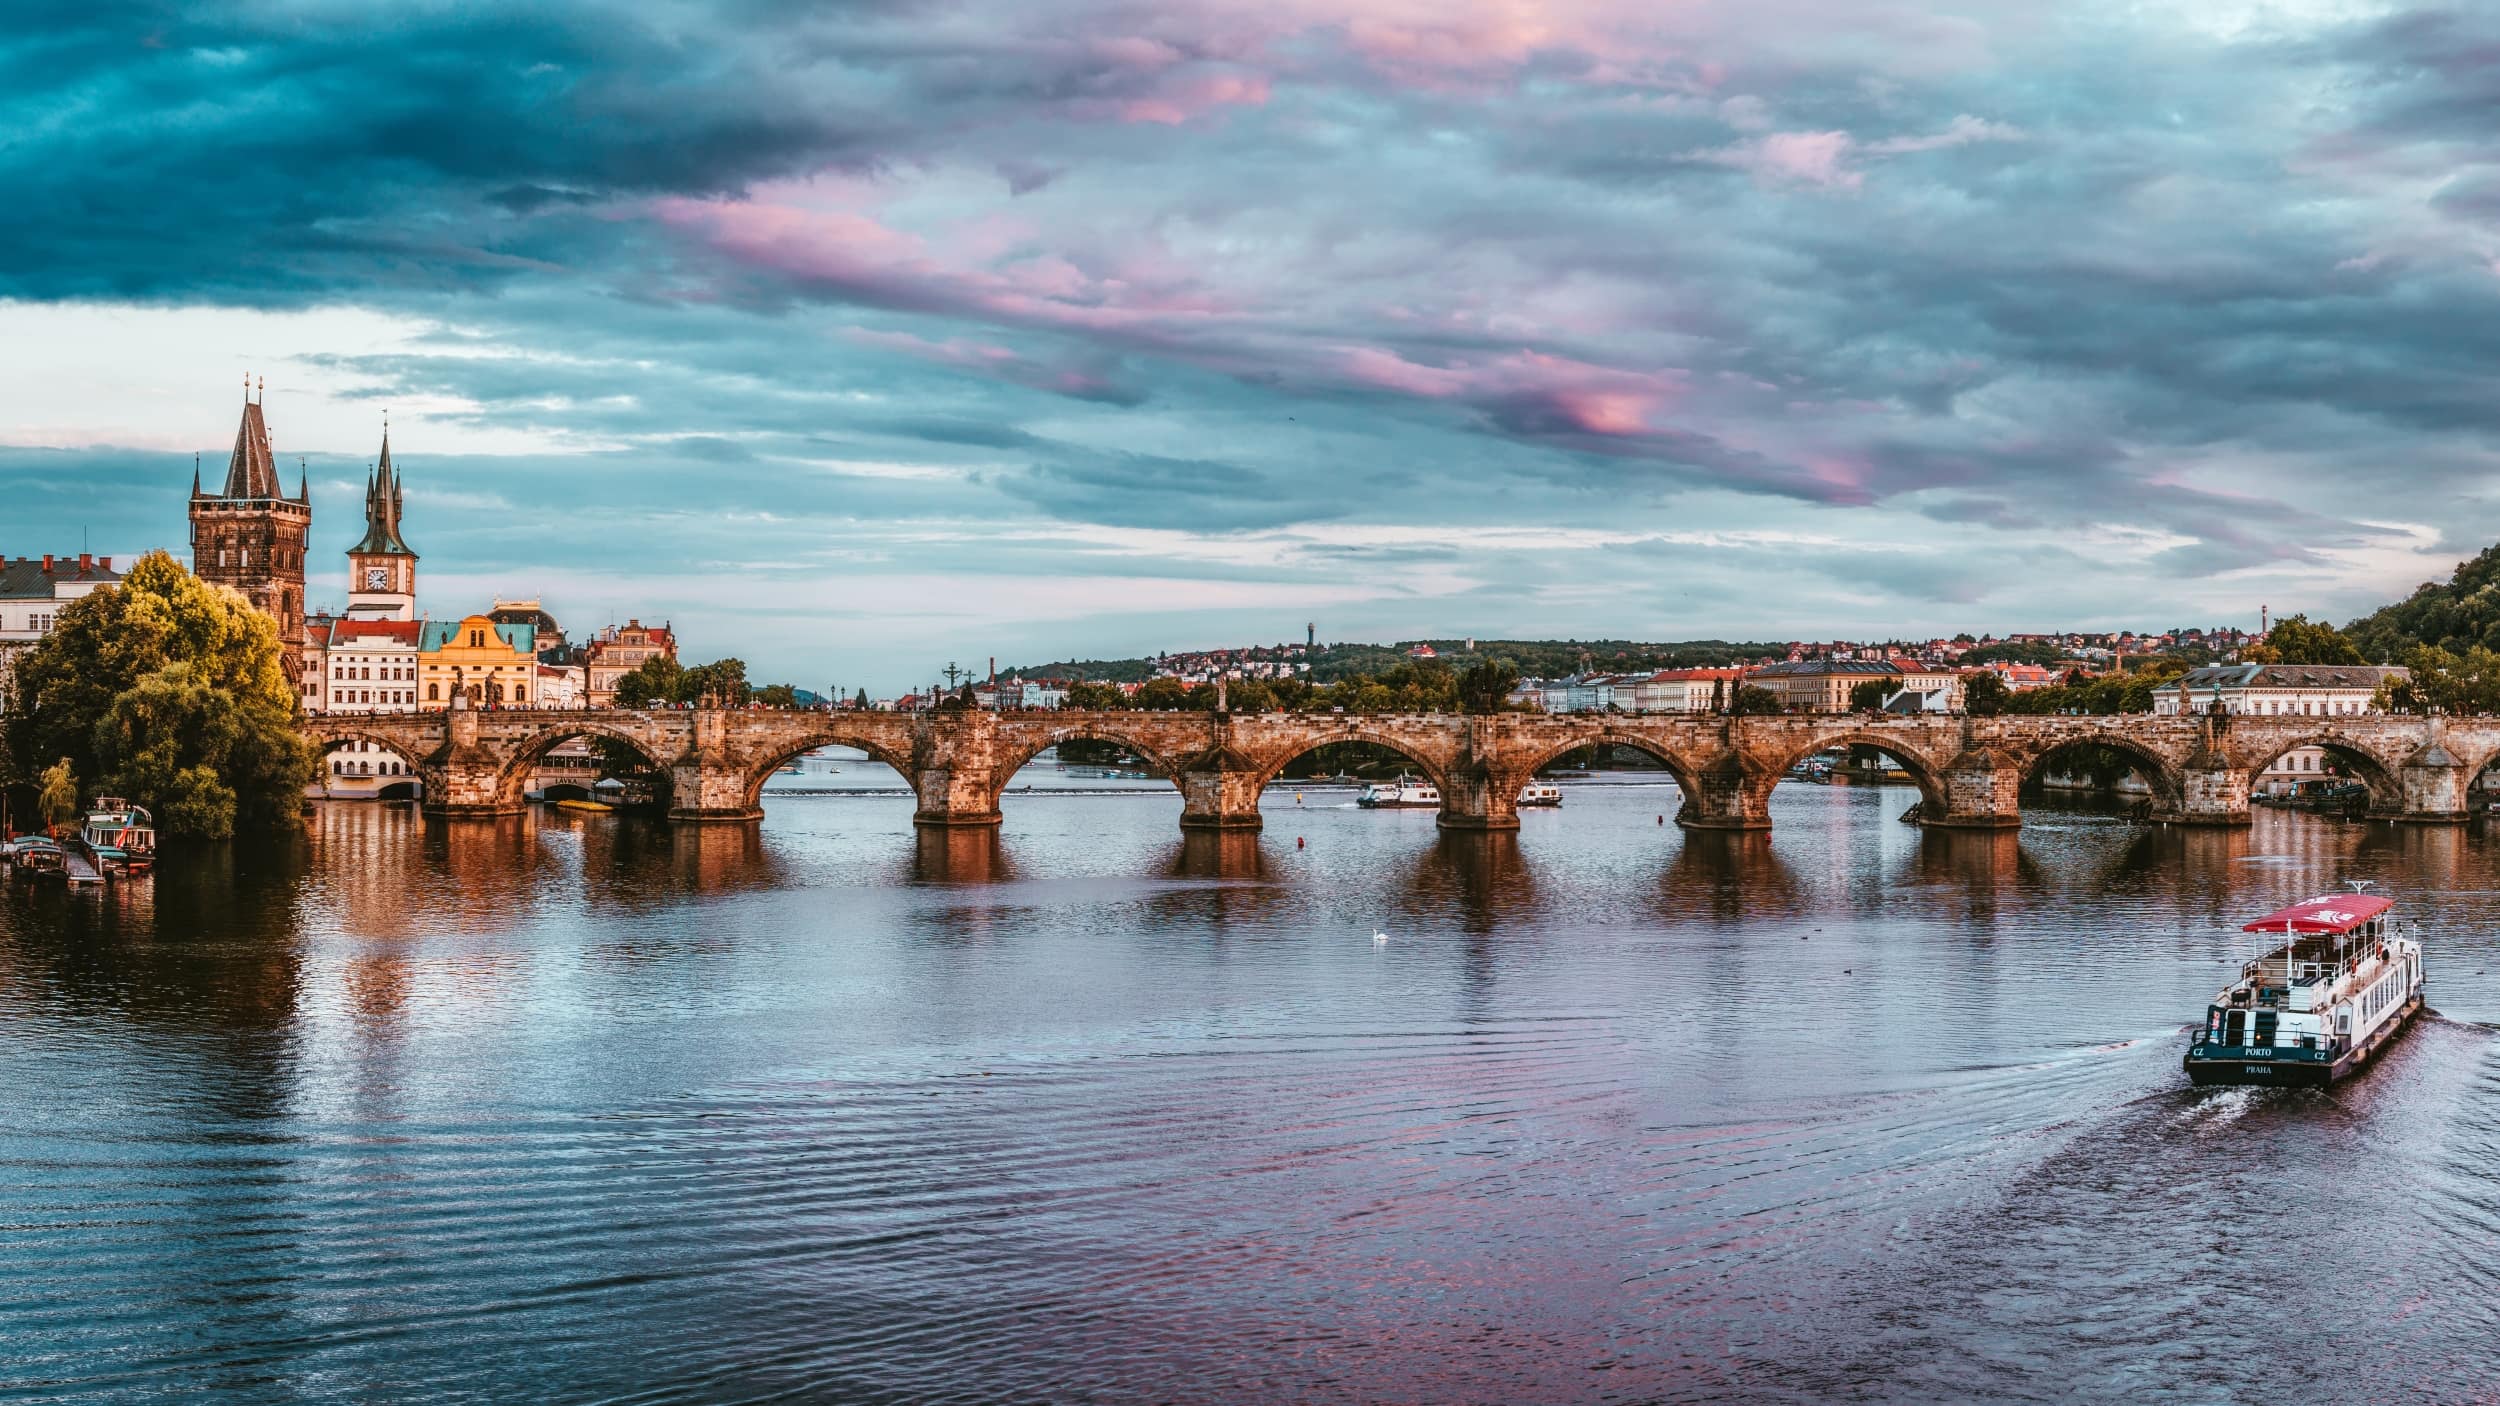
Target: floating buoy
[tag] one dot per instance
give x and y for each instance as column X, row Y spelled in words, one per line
column 1297, row 842
column 1662, row 820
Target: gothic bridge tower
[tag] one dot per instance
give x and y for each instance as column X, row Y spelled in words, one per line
column 381, row 571
column 251, row 536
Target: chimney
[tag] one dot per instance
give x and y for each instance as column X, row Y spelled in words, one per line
column 47, row 563
column 86, row 563
column 108, row 562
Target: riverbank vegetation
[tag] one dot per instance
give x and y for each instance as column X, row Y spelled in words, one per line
column 169, row 692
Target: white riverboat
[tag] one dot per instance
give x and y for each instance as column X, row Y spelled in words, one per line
column 1404, row 793
column 2346, row 981
column 1540, row 793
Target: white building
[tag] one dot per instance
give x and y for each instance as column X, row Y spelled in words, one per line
column 2275, row 690
column 32, row 592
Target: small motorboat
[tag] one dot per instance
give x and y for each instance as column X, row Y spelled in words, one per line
column 1540, row 793
column 1403, row 793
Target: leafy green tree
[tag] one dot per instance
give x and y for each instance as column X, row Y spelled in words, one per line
column 1485, row 686
column 57, row 802
column 658, row 679
column 171, row 692
column 1869, row 696
column 1163, row 694
column 1984, row 694
column 2295, row 640
column 777, row 695
column 1095, row 696
column 1753, row 700
column 861, row 702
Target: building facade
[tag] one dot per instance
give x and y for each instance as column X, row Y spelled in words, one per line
column 32, row 592
column 617, row 651
column 1821, row 685
column 2275, row 690
column 487, row 664
column 251, row 535
column 360, row 665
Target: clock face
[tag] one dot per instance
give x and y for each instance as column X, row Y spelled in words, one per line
column 377, row 578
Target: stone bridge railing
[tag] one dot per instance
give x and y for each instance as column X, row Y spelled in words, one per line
column 1969, row 770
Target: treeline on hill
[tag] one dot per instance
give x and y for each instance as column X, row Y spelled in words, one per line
column 1334, row 663
column 1409, row 686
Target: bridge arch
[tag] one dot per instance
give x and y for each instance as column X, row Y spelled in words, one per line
column 1686, row 770
column 1272, row 763
column 1925, row 771
column 2387, row 796
column 330, row 737
column 513, row 775
column 1015, row 758
column 858, row 737
column 2158, row 771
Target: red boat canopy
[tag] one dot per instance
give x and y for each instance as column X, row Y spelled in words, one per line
column 2335, row 912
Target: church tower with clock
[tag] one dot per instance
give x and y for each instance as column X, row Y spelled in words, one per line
column 381, row 571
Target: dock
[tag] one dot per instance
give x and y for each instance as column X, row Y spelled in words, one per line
column 81, row 868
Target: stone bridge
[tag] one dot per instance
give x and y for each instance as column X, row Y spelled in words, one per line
column 1970, row 771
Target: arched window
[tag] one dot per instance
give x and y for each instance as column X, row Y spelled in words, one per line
column 433, row 693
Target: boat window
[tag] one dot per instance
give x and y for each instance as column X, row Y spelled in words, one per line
column 2235, row 1027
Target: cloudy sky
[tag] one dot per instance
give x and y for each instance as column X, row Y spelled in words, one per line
column 854, row 337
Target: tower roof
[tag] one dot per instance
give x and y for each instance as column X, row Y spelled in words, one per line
column 382, row 506
column 252, row 472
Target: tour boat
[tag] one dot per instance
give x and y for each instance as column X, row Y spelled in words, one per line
column 1540, row 793
column 2316, row 1009
column 118, row 836
column 1403, row 792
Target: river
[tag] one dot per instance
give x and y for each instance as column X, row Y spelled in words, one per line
column 585, row 1108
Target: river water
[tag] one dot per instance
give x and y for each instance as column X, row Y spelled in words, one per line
column 590, row 1109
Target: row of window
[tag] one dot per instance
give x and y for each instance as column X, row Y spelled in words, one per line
column 352, row 766
column 361, row 672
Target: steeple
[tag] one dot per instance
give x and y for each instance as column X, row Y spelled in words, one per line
column 252, row 472
column 382, row 509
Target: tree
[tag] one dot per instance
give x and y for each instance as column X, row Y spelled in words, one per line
column 2294, row 640
column 777, row 695
column 1094, row 696
column 57, row 803
column 1753, row 700
column 1869, row 696
column 171, row 692
column 1983, row 694
column 861, row 702
column 1485, row 687
column 1162, row 693
column 657, row 680
column 721, row 683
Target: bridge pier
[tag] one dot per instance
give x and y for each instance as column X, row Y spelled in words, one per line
column 465, row 779
column 2435, row 788
column 2209, row 795
column 704, row 786
column 1982, row 790
column 1727, row 796
column 1479, row 797
column 1220, row 791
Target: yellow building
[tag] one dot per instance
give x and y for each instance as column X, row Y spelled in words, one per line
column 495, row 665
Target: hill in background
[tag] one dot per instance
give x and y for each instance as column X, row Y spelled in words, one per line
column 2455, row 615
column 1532, row 658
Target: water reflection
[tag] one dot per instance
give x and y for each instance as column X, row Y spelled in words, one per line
column 837, row 1109
column 974, row 854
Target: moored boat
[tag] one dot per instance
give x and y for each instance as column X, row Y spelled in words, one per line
column 2345, row 981
column 33, row 857
column 119, row 837
column 1540, row 793
column 1403, row 793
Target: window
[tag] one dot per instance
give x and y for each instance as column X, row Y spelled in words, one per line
column 433, row 693
column 477, row 639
